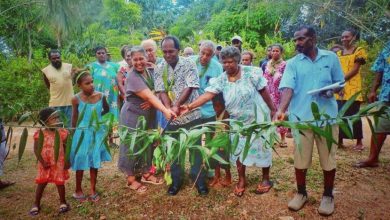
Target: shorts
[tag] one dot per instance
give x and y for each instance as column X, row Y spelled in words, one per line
column 383, row 125
column 303, row 157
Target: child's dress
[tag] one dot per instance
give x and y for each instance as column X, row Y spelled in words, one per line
column 93, row 148
column 56, row 173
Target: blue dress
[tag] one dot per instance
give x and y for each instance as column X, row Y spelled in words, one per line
column 93, row 148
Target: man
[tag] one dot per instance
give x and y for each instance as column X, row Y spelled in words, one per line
column 58, row 79
column 3, row 154
column 177, row 81
column 263, row 62
column 311, row 69
column 188, row 51
column 150, row 48
column 237, row 42
column 381, row 67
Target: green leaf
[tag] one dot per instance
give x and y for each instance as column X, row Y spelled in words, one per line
column 348, row 104
column 315, row 110
column 24, row 117
column 81, row 116
column 247, row 146
column 68, row 147
column 22, row 143
column 57, row 143
column 40, row 142
column 345, row 128
column 79, row 143
column 9, row 136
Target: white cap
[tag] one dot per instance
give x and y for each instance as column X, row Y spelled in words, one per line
column 237, row 38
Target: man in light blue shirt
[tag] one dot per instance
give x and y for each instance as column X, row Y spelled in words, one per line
column 207, row 68
column 311, row 69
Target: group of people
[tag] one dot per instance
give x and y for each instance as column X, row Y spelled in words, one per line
column 182, row 92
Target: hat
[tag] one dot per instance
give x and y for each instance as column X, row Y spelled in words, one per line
column 237, row 38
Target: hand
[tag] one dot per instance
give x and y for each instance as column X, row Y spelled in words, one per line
column 150, row 65
column 327, row 93
column 145, row 105
column 168, row 114
column 176, row 110
column 372, row 97
column 341, row 93
column 184, row 109
column 279, row 116
column 123, row 97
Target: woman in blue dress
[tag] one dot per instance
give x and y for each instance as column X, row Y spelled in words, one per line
column 244, row 91
column 89, row 145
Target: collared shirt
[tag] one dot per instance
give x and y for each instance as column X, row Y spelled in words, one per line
column 382, row 65
column 302, row 75
column 61, row 88
column 184, row 75
column 211, row 70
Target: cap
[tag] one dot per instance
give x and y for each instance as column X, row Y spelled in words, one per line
column 237, row 38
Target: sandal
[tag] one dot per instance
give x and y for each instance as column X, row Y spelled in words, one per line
column 264, row 187
column 363, row 164
column 5, row 184
column 34, row 211
column 138, row 188
column 94, row 198
column 80, row 198
column 283, row 145
column 152, row 179
column 64, row 208
column 358, row 148
column 238, row 191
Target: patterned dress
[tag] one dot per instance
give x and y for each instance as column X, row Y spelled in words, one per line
column 273, row 73
column 104, row 80
column 55, row 173
column 93, row 148
column 243, row 102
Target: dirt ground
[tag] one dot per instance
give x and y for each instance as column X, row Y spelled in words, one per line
column 359, row 193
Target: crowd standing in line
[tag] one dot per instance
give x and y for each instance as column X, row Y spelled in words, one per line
column 176, row 92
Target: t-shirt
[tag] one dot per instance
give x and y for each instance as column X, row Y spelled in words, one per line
column 61, row 88
column 211, row 70
column 382, row 65
column 302, row 75
column 185, row 75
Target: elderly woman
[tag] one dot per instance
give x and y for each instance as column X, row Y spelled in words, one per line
column 244, row 91
column 104, row 79
column 273, row 73
column 139, row 87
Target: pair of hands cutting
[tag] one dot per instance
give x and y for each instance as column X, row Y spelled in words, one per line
column 176, row 111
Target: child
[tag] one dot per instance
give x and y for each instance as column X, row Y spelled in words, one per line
column 92, row 149
column 50, row 171
column 219, row 108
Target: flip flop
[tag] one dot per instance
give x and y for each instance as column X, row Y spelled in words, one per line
column 157, row 181
column 80, row 198
column 264, row 187
column 239, row 192
column 359, row 149
column 64, row 208
column 94, row 198
column 34, row 211
column 139, row 189
column 363, row 164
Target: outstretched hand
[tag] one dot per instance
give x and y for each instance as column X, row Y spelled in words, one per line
column 184, row 109
column 170, row 114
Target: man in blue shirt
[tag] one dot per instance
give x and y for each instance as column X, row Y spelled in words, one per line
column 311, row 69
column 381, row 67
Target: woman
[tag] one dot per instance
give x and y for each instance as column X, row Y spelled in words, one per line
column 139, row 87
column 122, row 74
column 244, row 91
column 273, row 73
column 247, row 58
column 104, row 78
column 351, row 59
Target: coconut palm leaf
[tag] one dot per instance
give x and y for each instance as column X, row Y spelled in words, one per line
column 22, row 144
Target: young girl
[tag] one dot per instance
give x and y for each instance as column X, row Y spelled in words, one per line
column 92, row 149
column 50, row 171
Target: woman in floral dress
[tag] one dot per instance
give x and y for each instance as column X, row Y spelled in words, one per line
column 246, row 100
column 273, row 73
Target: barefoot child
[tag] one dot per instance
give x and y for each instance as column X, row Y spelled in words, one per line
column 92, row 149
column 50, row 171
